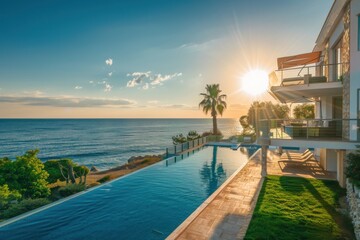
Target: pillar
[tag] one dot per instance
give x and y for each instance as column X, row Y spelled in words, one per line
column 264, row 149
column 340, row 171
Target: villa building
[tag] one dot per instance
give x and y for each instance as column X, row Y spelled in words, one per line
column 329, row 76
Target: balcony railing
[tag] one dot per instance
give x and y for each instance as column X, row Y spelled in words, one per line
column 325, row 129
column 307, row 75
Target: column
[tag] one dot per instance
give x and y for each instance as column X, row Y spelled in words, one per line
column 340, row 171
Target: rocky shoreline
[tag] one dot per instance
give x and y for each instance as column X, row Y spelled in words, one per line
column 134, row 163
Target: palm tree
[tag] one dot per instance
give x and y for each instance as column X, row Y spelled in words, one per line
column 213, row 101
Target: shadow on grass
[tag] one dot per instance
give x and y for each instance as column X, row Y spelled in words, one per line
column 290, row 208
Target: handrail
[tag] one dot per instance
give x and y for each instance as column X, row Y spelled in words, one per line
column 314, row 128
column 311, row 119
column 313, row 66
column 278, row 77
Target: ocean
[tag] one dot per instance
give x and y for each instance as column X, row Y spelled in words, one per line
column 103, row 143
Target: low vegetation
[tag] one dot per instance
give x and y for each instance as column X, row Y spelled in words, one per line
column 71, row 189
column 353, row 167
column 299, row 208
column 23, row 206
column 180, row 138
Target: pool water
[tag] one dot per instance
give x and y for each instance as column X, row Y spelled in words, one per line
column 148, row 204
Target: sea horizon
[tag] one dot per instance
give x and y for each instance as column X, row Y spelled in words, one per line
column 101, row 142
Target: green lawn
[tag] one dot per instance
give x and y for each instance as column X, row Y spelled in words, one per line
column 299, row 208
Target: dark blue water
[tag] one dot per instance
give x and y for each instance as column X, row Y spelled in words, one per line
column 149, row 204
column 103, row 143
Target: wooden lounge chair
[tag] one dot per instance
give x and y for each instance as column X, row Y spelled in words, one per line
column 287, row 155
column 301, row 160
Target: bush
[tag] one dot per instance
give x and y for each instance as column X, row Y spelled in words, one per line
column 353, row 166
column 6, row 196
column 71, row 189
column 104, row 179
column 23, row 206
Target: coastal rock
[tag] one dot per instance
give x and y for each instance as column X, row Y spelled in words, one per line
column 94, row 169
column 136, row 158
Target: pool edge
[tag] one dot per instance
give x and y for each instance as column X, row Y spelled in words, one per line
column 176, row 233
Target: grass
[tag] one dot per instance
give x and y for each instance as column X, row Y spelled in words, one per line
column 299, row 208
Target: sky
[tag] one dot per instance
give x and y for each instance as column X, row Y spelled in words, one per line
column 143, row 59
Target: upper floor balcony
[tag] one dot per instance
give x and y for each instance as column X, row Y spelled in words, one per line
column 303, row 78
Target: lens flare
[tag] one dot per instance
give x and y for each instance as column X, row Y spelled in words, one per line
column 255, row 82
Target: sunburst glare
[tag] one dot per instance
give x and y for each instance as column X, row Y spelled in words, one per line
column 255, row 82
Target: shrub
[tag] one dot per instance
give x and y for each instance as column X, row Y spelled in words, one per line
column 353, row 166
column 26, row 175
column 71, row 189
column 104, row 179
column 6, row 196
column 192, row 135
column 23, row 206
column 180, row 138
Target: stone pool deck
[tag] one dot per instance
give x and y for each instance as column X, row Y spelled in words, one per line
column 227, row 213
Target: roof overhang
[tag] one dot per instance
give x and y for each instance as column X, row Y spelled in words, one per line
column 305, row 92
column 298, row 60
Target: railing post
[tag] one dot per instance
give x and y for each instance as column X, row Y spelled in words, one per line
column 307, row 129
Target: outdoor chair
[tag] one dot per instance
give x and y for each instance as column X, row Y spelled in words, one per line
column 288, row 154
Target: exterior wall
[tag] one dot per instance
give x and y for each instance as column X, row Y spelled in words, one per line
column 346, row 71
column 328, row 159
column 354, row 67
column 353, row 198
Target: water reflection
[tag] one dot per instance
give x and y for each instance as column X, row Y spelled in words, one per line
column 212, row 175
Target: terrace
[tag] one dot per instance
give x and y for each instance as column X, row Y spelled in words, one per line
column 305, row 78
column 321, row 132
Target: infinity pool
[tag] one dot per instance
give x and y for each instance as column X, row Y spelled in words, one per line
column 148, row 204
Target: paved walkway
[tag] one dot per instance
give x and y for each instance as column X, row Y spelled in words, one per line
column 227, row 213
column 309, row 170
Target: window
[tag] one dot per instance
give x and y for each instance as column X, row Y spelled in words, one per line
column 337, row 61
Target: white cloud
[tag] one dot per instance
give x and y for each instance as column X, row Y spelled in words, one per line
column 91, row 82
column 146, row 78
column 107, row 87
column 159, row 79
column 67, row 101
column 110, row 74
column 138, row 78
column 146, row 86
column 78, row 87
column 109, row 61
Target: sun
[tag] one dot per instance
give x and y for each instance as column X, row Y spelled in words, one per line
column 255, row 82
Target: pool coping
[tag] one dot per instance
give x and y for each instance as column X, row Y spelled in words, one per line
column 181, row 228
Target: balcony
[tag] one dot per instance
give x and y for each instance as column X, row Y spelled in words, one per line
column 326, row 131
column 303, row 78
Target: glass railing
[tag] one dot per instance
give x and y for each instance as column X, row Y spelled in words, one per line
column 308, row 75
column 326, row 129
column 182, row 147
